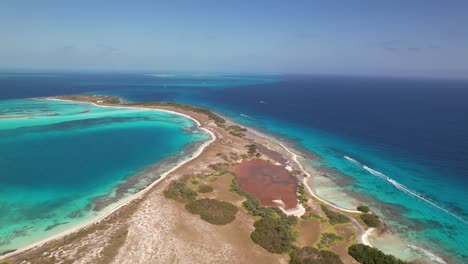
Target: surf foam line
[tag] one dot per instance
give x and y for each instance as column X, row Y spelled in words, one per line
column 403, row 188
column 429, row 254
column 295, row 158
column 247, row 116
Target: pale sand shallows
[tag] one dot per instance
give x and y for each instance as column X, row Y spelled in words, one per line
column 295, row 158
column 364, row 235
column 127, row 200
column 296, row 211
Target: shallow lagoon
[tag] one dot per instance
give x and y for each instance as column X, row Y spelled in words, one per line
column 412, row 130
column 57, row 158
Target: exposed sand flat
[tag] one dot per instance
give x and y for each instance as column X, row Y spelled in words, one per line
column 149, row 228
column 154, row 229
column 308, row 233
column 162, row 231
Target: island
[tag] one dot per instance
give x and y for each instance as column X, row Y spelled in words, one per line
column 242, row 198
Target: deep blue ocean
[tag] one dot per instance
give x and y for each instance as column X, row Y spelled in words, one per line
column 398, row 145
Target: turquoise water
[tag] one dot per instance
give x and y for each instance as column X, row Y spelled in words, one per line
column 428, row 225
column 405, row 156
column 411, row 134
column 59, row 160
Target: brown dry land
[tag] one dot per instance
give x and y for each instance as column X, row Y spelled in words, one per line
column 267, row 182
column 155, row 229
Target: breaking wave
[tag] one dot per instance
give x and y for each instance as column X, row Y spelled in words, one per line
column 403, row 188
column 247, row 116
column 427, row 253
column 352, row 160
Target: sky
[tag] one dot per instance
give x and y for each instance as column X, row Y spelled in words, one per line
column 397, row 38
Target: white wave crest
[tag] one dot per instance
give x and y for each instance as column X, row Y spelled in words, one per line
column 247, row 116
column 429, row 254
column 376, row 173
column 352, row 160
column 403, row 188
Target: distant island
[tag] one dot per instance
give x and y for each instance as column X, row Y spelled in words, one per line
column 241, row 198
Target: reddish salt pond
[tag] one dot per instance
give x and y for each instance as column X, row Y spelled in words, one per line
column 267, row 182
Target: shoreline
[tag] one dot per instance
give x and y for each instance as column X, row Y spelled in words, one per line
column 295, row 158
column 132, row 197
column 363, row 236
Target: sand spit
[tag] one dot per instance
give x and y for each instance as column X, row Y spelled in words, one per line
column 117, row 206
column 149, row 228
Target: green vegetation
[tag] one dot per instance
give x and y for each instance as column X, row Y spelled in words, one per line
column 251, row 204
column 302, row 197
column 296, row 172
column 179, row 191
column 368, row 255
column 219, row 167
column 254, row 208
column 205, row 188
column 310, row 255
column 328, row 240
column 213, row 211
column 363, row 208
column 237, row 128
column 236, row 131
column 310, row 214
column 273, row 234
column 334, row 217
column 371, row 220
column 274, row 230
column 111, row 100
column 251, row 149
column 219, row 121
column 237, row 134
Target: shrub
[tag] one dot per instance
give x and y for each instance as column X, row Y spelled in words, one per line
column 328, row 239
column 273, row 234
column 251, row 149
column 371, row 220
column 334, row 217
column 310, row 255
column 237, row 128
column 368, row 255
column 251, row 204
column 237, row 134
column 310, row 214
column 213, row 211
column 302, row 197
column 219, row 167
column 363, row 208
column 180, row 192
column 205, row 189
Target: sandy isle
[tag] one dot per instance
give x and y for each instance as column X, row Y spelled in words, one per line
column 149, row 228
